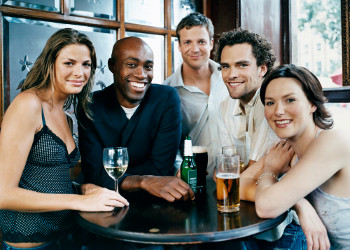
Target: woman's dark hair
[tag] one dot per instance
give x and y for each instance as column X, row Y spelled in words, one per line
column 311, row 87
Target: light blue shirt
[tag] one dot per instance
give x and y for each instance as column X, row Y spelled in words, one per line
column 200, row 111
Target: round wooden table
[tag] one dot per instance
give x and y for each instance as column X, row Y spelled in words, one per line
column 152, row 220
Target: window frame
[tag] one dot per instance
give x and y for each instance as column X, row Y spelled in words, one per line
column 333, row 95
column 64, row 16
column 342, row 94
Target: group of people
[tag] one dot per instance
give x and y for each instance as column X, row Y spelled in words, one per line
column 297, row 163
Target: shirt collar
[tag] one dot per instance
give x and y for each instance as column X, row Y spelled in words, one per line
column 237, row 110
column 179, row 82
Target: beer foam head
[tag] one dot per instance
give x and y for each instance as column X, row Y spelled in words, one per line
column 199, row 149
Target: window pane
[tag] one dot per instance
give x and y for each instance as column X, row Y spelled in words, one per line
column 94, row 8
column 156, row 42
column 316, row 43
column 145, row 12
column 341, row 115
column 48, row 5
column 25, row 39
column 175, row 53
column 180, row 9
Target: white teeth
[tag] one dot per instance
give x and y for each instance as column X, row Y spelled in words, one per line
column 282, row 122
column 138, row 85
column 234, row 84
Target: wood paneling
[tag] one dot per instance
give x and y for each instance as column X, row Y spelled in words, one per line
column 225, row 15
column 264, row 17
column 345, row 17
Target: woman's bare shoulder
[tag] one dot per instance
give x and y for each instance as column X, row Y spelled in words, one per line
column 27, row 101
column 335, row 139
column 26, row 107
column 28, row 98
column 335, row 135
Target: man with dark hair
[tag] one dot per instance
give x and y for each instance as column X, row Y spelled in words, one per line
column 245, row 58
column 198, row 82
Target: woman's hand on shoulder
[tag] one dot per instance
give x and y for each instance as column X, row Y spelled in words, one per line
column 101, row 199
column 277, row 160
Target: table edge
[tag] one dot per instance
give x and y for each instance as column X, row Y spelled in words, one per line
column 193, row 238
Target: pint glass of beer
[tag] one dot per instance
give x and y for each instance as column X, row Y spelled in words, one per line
column 227, row 183
column 200, row 154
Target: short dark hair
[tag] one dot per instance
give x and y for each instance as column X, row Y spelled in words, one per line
column 195, row 19
column 311, row 87
column 262, row 49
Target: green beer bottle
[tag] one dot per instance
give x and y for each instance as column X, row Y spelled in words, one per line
column 188, row 166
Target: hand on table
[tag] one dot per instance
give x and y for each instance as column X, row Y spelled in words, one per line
column 169, row 188
column 96, row 198
column 106, row 219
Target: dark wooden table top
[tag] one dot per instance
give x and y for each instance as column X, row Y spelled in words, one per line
column 155, row 221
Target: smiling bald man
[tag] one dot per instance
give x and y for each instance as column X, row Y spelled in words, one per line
column 141, row 116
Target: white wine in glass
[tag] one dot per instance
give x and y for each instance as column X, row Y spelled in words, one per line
column 115, row 162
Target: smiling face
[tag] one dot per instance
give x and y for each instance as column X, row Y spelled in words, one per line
column 132, row 68
column 195, row 46
column 287, row 109
column 240, row 72
column 72, row 69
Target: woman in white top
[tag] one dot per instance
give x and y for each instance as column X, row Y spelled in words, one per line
column 294, row 108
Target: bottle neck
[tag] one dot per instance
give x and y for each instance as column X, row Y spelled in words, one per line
column 188, row 148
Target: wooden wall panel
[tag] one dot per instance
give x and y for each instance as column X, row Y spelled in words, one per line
column 264, row 17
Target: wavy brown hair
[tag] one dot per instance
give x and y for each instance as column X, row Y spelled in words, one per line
column 42, row 74
column 311, row 87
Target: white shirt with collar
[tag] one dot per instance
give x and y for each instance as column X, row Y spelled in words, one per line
column 200, row 111
column 245, row 126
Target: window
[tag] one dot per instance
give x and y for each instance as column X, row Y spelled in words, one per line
column 318, row 24
column 319, row 47
column 26, row 25
column 319, row 68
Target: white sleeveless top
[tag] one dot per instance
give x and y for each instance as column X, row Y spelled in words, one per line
column 335, row 215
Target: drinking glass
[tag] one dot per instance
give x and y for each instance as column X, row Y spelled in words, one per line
column 227, row 183
column 200, row 154
column 236, row 150
column 115, row 162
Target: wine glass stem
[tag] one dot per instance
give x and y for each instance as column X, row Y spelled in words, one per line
column 116, row 185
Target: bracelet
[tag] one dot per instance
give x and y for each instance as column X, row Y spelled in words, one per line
column 266, row 173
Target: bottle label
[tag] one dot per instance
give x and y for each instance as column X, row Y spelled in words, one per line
column 192, row 179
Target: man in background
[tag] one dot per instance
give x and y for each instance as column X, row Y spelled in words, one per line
column 199, row 83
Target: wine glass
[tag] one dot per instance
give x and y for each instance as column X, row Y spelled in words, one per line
column 115, row 162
